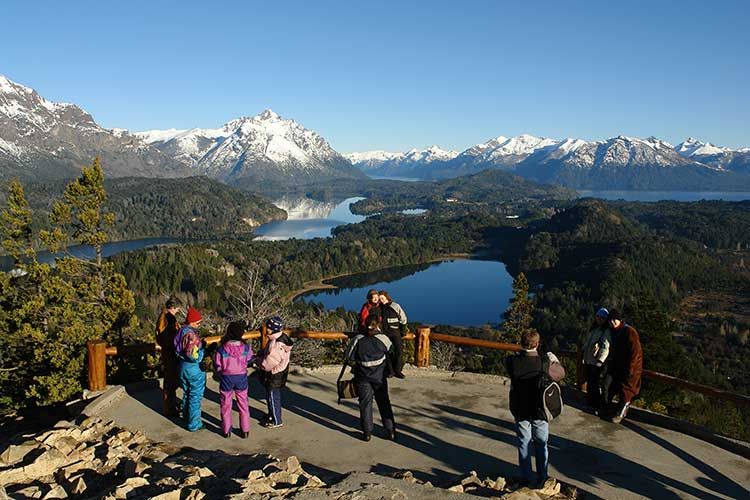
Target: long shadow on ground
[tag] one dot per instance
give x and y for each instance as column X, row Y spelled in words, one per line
column 589, row 464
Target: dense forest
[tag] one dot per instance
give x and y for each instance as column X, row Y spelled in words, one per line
column 190, row 208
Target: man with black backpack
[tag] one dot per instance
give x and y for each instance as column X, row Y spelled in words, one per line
column 528, row 372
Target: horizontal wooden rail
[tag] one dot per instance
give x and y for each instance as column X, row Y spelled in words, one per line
column 703, row 389
column 98, row 350
column 472, row 342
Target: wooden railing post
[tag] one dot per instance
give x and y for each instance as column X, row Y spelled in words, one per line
column 97, row 361
column 263, row 336
column 422, row 348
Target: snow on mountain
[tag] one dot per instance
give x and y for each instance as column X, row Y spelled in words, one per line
column 693, row 147
column 386, row 163
column 735, row 160
column 261, row 146
column 43, row 139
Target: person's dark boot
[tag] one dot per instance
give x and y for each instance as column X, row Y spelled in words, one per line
column 391, row 434
column 366, row 436
column 400, row 375
column 245, row 434
column 227, row 435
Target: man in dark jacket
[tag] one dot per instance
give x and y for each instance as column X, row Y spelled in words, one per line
column 626, row 364
column 525, row 370
column 367, row 354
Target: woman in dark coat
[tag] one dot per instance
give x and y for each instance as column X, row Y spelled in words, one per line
column 166, row 329
column 367, row 354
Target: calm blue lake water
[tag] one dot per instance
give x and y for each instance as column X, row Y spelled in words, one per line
column 308, row 219
column 651, row 196
column 87, row 252
column 457, row 292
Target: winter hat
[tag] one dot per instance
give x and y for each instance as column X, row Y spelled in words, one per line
column 602, row 313
column 275, row 324
column 193, row 315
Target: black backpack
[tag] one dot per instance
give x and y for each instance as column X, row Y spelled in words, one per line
column 551, row 393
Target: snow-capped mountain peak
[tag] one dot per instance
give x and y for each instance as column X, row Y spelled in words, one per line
column 251, row 145
column 693, row 147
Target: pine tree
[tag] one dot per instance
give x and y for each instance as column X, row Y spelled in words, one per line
column 518, row 317
column 49, row 314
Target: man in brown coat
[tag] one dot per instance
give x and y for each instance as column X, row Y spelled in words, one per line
column 626, row 364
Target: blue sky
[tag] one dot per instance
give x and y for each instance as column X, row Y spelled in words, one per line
column 395, row 75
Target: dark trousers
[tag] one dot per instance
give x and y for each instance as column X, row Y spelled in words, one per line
column 273, row 398
column 396, row 357
column 366, row 391
column 594, row 385
column 170, row 369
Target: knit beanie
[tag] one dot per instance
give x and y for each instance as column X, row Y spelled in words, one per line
column 193, row 315
column 602, row 313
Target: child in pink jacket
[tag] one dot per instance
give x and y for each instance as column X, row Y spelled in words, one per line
column 275, row 369
column 230, row 362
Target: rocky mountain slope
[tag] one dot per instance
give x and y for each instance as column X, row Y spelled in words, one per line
column 40, row 139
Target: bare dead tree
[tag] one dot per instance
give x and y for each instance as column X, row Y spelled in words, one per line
column 251, row 300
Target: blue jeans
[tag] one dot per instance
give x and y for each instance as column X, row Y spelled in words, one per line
column 538, row 430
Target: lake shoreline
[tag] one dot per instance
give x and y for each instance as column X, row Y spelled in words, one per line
column 320, row 284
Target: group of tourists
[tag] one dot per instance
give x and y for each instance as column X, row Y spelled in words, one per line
column 182, row 353
column 612, row 357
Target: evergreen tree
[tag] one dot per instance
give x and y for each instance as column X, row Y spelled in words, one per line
column 49, row 314
column 518, row 317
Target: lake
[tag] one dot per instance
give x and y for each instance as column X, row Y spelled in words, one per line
column 454, row 292
column 87, row 252
column 652, row 196
column 308, row 219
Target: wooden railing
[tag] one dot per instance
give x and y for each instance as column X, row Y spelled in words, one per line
column 98, row 352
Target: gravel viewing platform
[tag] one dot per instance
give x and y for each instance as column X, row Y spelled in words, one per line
column 448, row 424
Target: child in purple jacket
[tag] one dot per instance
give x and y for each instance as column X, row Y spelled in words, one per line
column 230, row 362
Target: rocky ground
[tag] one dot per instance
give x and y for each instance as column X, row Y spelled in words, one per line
column 93, row 458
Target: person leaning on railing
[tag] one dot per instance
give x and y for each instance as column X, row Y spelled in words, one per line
column 166, row 329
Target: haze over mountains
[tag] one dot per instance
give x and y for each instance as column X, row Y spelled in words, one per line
column 40, row 139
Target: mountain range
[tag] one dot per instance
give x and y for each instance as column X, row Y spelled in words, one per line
column 40, row 139
column 618, row 163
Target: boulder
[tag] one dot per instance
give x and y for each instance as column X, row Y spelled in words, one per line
column 127, row 488
column 521, row 494
column 550, row 488
column 16, row 453
column 57, row 491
